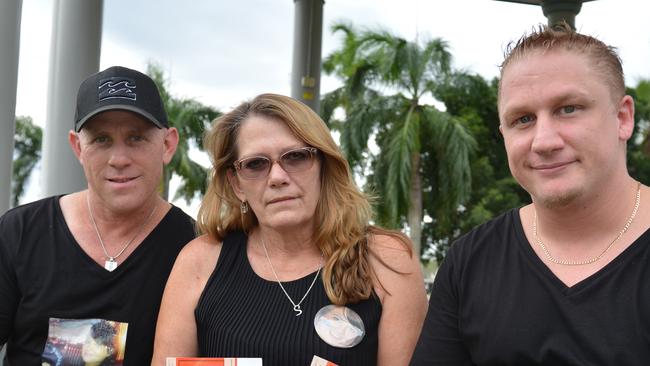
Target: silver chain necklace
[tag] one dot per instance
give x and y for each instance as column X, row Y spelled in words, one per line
column 296, row 307
column 590, row 260
column 110, row 263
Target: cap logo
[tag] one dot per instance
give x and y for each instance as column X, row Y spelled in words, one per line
column 117, row 87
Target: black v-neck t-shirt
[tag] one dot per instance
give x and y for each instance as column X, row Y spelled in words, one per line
column 44, row 274
column 494, row 302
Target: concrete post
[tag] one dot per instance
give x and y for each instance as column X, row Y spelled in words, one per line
column 75, row 51
column 10, row 15
column 557, row 11
column 307, row 49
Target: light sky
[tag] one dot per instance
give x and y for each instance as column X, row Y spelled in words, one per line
column 223, row 52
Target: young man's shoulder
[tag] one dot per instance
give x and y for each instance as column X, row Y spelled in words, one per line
column 491, row 232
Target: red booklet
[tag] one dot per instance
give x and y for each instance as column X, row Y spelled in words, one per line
column 317, row 361
column 213, row 361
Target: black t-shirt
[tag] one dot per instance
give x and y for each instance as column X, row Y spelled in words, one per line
column 45, row 275
column 494, row 302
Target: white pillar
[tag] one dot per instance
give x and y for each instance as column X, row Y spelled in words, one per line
column 10, row 11
column 74, row 55
column 307, row 40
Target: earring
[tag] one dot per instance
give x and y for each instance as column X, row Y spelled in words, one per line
column 243, row 207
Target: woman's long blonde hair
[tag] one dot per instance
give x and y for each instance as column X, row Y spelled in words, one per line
column 343, row 212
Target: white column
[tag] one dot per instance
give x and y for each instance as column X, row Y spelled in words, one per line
column 10, row 11
column 74, row 55
column 307, row 40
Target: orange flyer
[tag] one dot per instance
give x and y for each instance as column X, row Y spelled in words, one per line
column 212, row 361
column 317, row 361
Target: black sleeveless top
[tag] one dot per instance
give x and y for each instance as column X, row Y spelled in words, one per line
column 240, row 314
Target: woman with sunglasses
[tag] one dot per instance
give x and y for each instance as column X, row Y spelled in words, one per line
column 289, row 266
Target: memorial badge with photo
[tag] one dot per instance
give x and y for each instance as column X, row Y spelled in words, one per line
column 339, row 326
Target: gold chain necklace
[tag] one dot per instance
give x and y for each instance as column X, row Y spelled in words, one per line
column 110, row 263
column 591, row 260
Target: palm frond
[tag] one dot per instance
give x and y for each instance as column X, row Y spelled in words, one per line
column 28, row 139
column 191, row 118
column 451, row 146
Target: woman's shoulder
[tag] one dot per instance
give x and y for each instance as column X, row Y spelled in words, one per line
column 394, row 249
column 204, row 242
column 396, row 269
column 200, row 254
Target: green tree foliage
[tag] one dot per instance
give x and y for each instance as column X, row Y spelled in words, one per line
column 191, row 118
column 27, row 152
column 473, row 99
column 422, row 166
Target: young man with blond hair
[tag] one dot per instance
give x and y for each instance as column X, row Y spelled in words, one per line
column 564, row 280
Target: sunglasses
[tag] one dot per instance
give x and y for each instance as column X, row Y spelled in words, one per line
column 292, row 161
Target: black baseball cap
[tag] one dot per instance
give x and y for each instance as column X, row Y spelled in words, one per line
column 119, row 88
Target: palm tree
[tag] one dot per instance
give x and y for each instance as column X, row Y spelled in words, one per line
column 191, row 119
column 423, row 152
column 27, row 152
column 473, row 99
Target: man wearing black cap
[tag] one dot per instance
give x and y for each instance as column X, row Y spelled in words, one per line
column 102, row 255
